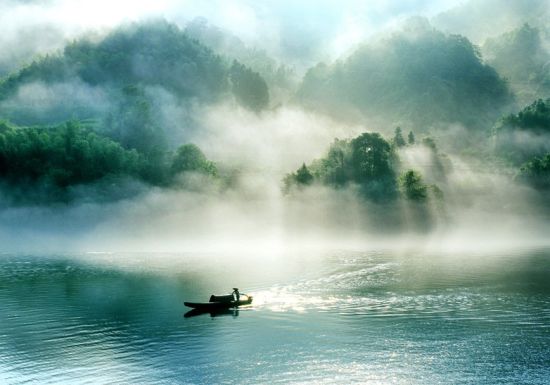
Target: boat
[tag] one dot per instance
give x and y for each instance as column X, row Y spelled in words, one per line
column 220, row 302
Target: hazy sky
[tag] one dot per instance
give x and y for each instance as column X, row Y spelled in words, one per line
column 300, row 31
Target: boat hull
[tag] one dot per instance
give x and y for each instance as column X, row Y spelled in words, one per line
column 213, row 306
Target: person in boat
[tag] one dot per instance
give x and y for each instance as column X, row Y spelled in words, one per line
column 236, row 294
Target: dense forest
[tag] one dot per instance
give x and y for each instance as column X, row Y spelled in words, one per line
column 56, row 158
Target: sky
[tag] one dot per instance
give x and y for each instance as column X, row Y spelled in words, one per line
column 302, row 32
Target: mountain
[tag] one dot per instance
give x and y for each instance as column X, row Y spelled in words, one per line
column 416, row 78
column 280, row 78
column 88, row 76
column 522, row 58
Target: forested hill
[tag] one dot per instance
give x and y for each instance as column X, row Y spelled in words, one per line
column 100, row 113
column 416, row 78
column 280, row 77
column 522, row 57
column 152, row 54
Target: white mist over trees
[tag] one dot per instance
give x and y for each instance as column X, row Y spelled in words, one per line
column 414, row 131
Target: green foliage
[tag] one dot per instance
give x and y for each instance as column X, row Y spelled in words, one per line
column 248, row 87
column 522, row 139
column 365, row 161
column 413, row 187
column 372, row 166
column 67, row 155
column 423, row 78
column 371, row 157
column 62, row 156
column 154, row 52
column 523, row 136
column 536, row 172
column 398, row 139
column 535, row 117
column 189, row 158
column 334, row 169
column 155, row 55
column 279, row 77
column 45, row 69
column 131, row 122
column 302, row 177
column 411, row 138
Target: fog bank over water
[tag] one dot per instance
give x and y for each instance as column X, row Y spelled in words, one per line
column 257, row 218
column 483, row 209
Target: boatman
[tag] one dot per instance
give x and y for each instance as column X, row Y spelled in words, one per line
column 236, row 294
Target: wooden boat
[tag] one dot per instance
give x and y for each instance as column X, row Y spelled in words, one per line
column 220, row 302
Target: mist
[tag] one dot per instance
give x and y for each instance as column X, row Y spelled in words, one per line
column 298, row 34
column 471, row 195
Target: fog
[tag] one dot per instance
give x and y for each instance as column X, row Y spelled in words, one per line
column 299, row 33
column 50, row 102
column 483, row 206
column 479, row 20
column 482, row 209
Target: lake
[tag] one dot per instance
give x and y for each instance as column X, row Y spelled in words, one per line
column 376, row 317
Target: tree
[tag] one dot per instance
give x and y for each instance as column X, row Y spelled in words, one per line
column 398, row 138
column 411, row 138
column 249, row 87
column 371, row 163
column 413, row 187
column 303, row 176
column 365, row 161
column 371, row 157
column 189, row 158
column 335, row 169
column 131, row 122
column 536, row 172
column 521, row 137
column 62, row 156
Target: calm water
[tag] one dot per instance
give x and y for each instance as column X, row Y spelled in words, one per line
column 339, row 318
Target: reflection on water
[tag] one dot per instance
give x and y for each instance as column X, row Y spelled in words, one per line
column 337, row 318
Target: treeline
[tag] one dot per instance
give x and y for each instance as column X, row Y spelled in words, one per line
column 60, row 157
column 523, row 139
column 370, row 163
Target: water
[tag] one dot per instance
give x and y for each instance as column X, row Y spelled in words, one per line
column 338, row 317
